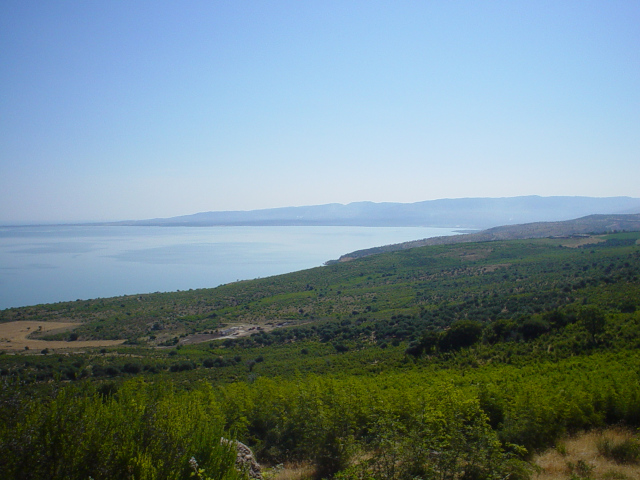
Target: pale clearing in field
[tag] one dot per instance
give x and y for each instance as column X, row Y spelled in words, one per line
column 558, row 463
column 14, row 336
column 581, row 241
column 290, row 471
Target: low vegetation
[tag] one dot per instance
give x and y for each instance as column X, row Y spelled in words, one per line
column 444, row 362
column 588, row 455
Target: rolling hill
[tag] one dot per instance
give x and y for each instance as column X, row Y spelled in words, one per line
column 591, row 224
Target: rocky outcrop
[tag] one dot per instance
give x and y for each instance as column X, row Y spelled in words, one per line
column 245, row 461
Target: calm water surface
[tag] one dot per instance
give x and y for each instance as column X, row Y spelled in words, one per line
column 62, row 263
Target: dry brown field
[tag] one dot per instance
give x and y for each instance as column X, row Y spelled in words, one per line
column 564, row 461
column 581, row 241
column 14, row 337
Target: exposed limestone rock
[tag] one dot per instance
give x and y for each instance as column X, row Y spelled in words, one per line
column 245, row 461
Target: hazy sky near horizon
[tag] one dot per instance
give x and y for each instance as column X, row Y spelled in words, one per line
column 113, row 110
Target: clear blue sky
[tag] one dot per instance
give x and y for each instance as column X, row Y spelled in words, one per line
column 136, row 109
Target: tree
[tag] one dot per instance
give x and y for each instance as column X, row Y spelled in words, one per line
column 593, row 320
column 430, row 340
column 427, row 344
column 462, row 334
column 532, row 328
column 500, row 330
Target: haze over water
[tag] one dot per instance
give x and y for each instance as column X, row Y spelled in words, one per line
column 65, row 263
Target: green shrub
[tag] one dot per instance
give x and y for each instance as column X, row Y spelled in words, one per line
column 140, row 431
column 626, row 451
column 581, row 470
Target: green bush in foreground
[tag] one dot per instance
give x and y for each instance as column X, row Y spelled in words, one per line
column 448, row 438
column 432, row 423
column 139, row 432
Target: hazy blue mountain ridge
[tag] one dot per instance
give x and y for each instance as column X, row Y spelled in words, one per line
column 473, row 213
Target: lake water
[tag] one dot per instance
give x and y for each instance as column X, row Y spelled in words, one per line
column 61, row 263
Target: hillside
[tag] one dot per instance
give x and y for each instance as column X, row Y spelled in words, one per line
column 440, row 283
column 443, row 362
column 461, row 212
column 591, row 224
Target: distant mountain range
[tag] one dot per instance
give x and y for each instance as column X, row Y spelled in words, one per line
column 472, row 213
column 579, row 227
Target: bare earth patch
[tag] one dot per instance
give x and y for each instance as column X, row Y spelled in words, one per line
column 231, row 331
column 580, row 241
column 14, row 336
column 468, row 254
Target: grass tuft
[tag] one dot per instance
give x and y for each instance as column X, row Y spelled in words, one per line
column 588, row 456
column 626, row 451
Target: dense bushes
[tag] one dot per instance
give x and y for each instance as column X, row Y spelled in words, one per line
column 427, row 422
column 138, row 431
column 330, row 419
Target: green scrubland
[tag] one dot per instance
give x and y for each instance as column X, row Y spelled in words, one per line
column 443, row 362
